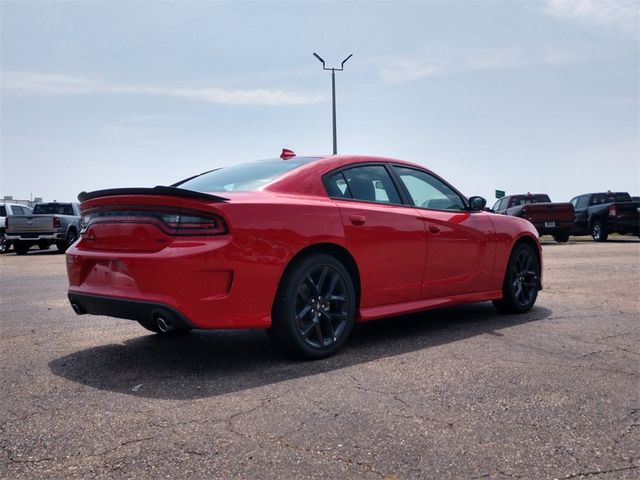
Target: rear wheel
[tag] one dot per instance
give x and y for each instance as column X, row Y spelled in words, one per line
column 561, row 237
column 599, row 232
column 71, row 237
column 521, row 282
column 21, row 248
column 314, row 309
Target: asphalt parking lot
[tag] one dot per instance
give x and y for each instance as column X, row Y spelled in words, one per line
column 458, row 393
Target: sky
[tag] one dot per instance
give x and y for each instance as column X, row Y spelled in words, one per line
column 521, row 96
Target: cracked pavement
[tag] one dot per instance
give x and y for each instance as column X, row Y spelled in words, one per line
column 457, row 393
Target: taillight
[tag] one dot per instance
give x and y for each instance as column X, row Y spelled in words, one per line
column 613, row 210
column 170, row 221
column 194, row 224
column 56, row 222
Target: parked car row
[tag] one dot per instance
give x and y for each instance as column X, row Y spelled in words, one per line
column 595, row 214
column 49, row 223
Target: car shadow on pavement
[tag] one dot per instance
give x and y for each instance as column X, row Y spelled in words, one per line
column 208, row 363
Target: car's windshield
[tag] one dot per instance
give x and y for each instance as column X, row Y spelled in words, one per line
column 244, row 177
column 53, row 208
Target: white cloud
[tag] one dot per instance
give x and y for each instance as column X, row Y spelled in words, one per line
column 621, row 13
column 407, row 69
column 51, row 84
column 403, row 69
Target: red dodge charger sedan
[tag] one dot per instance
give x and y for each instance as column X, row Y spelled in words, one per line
column 302, row 246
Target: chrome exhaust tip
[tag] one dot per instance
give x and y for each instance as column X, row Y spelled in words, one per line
column 163, row 324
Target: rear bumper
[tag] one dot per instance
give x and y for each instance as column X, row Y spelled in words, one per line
column 34, row 236
column 559, row 227
column 126, row 308
column 207, row 282
column 629, row 225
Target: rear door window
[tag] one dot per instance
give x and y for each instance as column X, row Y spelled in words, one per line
column 369, row 183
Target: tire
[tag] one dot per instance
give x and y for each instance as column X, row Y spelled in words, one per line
column 43, row 245
column 521, row 281
column 561, row 237
column 71, row 237
column 21, row 248
column 5, row 245
column 599, row 232
column 314, row 309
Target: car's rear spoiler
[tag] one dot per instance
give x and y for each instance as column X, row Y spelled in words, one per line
column 159, row 190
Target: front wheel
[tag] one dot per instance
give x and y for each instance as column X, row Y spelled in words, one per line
column 314, row 310
column 521, row 282
column 599, row 232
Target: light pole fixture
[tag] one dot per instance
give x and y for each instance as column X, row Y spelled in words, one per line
column 333, row 93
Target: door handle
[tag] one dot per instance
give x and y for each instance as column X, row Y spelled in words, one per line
column 433, row 229
column 357, row 220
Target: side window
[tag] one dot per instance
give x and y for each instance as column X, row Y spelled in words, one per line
column 427, row 191
column 337, row 186
column 583, row 201
column 370, row 183
column 496, row 206
column 574, row 202
column 3, row 211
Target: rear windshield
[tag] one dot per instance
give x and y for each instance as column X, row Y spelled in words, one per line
column 53, row 208
column 244, row 177
column 609, row 197
column 530, row 199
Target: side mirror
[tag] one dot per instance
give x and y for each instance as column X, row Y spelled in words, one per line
column 477, row 203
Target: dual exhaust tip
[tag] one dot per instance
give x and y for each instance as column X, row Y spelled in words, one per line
column 160, row 319
column 163, row 323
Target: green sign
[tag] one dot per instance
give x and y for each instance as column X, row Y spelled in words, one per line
column 500, row 193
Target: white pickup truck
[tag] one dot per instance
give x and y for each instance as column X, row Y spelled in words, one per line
column 7, row 210
column 50, row 223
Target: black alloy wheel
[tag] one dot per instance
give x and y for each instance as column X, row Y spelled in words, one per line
column 599, row 232
column 522, row 281
column 314, row 310
column 4, row 244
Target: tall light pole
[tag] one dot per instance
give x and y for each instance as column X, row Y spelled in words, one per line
column 333, row 93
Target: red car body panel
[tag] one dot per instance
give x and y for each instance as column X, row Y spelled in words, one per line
column 408, row 259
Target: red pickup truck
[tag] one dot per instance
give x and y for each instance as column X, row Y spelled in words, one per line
column 556, row 219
